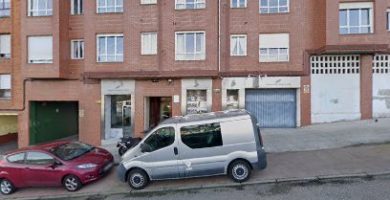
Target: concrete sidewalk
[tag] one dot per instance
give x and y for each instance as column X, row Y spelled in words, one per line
column 362, row 161
column 327, row 136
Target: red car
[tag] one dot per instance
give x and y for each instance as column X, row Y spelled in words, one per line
column 71, row 164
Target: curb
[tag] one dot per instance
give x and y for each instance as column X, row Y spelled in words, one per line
column 293, row 180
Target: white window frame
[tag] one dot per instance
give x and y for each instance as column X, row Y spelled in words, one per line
column 80, row 45
column 117, row 9
column 388, row 19
column 5, row 86
column 47, row 60
column 279, row 47
column 36, row 11
column 80, row 7
column 233, row 41
column 198, row 4
column 148, row 2
column 360, row 6
column 278, row 7
column 152, row 48
column 5, row 11
column 202, row 54
column 5, row 49
column 238, row 4
column 106, row 54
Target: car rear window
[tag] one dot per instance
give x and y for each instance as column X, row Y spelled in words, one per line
column 16, row 158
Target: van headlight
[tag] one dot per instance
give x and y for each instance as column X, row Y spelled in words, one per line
column 86, row 166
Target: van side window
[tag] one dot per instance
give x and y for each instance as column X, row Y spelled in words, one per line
column 161, row 138
column 202, row 135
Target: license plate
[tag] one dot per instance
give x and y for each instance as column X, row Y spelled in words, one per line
column 107, row 167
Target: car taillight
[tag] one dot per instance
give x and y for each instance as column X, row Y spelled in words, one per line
column 260, row 137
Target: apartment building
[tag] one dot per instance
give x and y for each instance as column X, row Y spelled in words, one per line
column 101, row 69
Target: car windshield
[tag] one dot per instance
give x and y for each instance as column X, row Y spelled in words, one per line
column 70, row 151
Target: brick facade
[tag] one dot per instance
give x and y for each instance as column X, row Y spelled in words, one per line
column 312, row 27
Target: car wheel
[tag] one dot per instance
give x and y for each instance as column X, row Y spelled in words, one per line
column 72, row 183
column 6, row 187
column 122, row 150
column 137, row 179
column 239, row 171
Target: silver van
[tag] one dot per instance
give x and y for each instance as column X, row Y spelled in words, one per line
column 196, row 145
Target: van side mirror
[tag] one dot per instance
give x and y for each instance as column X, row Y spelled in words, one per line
column 145, row 148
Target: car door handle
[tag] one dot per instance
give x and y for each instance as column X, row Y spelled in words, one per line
column 175, row 150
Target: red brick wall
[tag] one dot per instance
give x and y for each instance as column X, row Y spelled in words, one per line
column 366, row 86
column 88, row 96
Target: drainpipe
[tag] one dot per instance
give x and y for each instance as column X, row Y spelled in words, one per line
column 219, row 36
column 24, row 97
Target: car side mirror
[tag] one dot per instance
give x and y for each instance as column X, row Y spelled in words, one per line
column 55, row 164
column 145, row 148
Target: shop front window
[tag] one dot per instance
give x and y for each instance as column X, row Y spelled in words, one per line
column 197, row 101
column 232, row 99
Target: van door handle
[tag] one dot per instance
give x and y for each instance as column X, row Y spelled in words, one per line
column 175, row 150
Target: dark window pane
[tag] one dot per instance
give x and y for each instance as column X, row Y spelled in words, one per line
column 365, row 17
column 354, row 17
column 161, row 138
column 343, row 17
column 202, row 136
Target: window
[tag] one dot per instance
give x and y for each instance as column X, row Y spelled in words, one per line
column 76, row 7
column 238, row 45
column 110, row 48
column 274, row 6
column 388, row 19
column 238, row 3
column 232, row 99
column 274, row 47
column 5, row 8
column 149, row 43
column 38, row 158
column 148, row 1
column 5, row 86
column 109, row 6
column 40, row 49
column 201, row 136
column 77, row 49
column 5, row 46
column 190, row 46
column 16, row 158
column 40, row 7
column 190, row 4
column 161, row 138
column 197, row 101
column 356, row 18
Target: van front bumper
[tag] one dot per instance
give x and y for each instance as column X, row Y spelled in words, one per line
column 121, row 172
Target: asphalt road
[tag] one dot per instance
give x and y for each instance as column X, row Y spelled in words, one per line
column 356, row 189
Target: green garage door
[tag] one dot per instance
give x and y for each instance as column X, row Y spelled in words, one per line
column 52, row 120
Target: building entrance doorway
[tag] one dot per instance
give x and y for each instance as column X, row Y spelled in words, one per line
column 157, row 110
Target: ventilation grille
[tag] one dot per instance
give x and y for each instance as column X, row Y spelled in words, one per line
column 381, row 64
column 335, row 64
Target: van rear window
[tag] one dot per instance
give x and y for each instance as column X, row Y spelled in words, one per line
column 202, row 135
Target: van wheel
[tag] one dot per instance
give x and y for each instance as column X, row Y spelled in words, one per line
column 72, row 183
column 6, row 187
column 137, row 179
column 239, row 171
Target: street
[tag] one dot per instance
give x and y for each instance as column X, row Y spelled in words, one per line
column 356, row 189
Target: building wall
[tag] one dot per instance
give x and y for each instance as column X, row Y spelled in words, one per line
column 87, row 95
column 380, row 35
